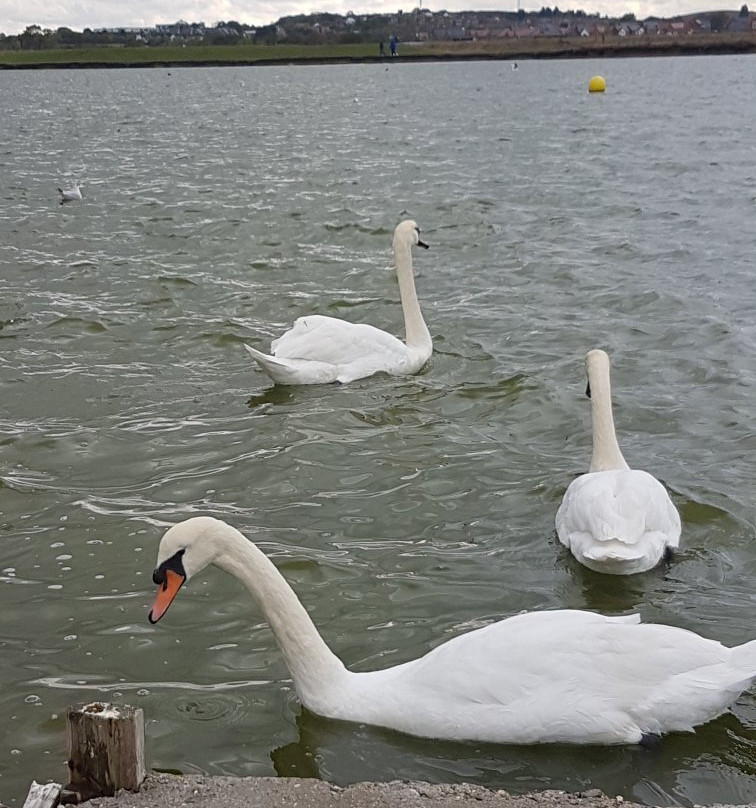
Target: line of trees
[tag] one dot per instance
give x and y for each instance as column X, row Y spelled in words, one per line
column 34, row 37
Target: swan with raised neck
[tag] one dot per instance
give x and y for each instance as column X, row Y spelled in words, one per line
column 320, row 350
column 615, row 519
column 490, row 684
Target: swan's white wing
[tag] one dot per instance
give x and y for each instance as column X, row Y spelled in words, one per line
column 318, row 350
column 515, row 658
column 618, row 516
column 338, row 342
column 566, row 676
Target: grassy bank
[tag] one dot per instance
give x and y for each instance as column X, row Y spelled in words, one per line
column 589, row 47
column 177, row 55
column 536, row 48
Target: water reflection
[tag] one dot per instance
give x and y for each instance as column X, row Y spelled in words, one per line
column 615, row 594
column 277, row 394
column 345, row 753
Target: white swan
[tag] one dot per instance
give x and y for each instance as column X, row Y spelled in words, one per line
column 69, row 194
column 614, row 519
column 553, row 676
column 318, row 349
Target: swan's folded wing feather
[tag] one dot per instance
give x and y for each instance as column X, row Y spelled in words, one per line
column 525, row 654
column 582, row 659
column 338, row 342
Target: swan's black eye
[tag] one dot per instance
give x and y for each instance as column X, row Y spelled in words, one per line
column 173, row 563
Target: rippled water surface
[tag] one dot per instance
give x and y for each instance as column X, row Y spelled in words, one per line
column 220, row 204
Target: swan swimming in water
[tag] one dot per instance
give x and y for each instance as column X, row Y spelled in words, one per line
column 319, row 350
column 562, row 676
column 614, row 519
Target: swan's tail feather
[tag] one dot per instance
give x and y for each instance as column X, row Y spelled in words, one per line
column 614, row 553
column 259, row 356
column 293, row 371
column 275, row 368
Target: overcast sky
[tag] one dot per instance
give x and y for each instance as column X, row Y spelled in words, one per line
column 16, row 15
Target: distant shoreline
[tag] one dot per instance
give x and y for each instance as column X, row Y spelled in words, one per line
column 542, row 48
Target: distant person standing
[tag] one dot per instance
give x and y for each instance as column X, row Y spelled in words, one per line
column 381, row 49
column 393, row 42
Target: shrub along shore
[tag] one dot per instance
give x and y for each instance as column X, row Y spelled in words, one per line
column 509, row 49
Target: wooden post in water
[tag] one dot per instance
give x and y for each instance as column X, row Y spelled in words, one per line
column 105, row 749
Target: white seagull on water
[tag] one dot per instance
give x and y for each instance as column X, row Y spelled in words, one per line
column 69, row 194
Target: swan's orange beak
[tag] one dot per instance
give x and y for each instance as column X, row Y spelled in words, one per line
column 167, row 591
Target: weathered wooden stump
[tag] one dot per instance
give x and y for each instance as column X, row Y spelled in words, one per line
column 42, row 796
column 105, row 749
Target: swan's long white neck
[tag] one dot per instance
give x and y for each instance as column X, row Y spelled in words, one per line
column 315, row 669
column 418, row 337
column 606, row 451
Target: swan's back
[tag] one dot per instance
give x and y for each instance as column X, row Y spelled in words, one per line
column 338, row 342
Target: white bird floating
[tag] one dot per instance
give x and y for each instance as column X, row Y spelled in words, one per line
column 69, row 194
column 560, row 676
column 319, row 350
column 614, row 519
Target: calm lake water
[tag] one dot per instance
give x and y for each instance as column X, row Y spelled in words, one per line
column 219, row 204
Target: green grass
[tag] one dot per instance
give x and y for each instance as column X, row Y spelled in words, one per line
column 502, row 49
column 172, row 54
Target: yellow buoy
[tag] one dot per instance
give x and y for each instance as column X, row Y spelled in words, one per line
column 597, row 85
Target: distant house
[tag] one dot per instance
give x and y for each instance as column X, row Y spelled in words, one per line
column 491, row 33
column 567, row 28
column 526, row 32
column 629, row 29
column 182, row 30
column 549, row 28
column 700, row 25
column 744, row 24
column 139, row 33
column 599, row 29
